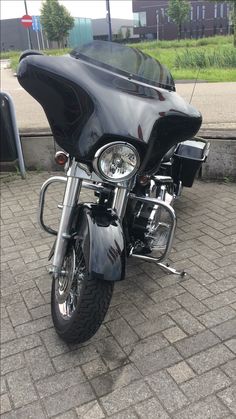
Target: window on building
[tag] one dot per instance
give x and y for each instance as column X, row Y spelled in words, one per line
column 191, row 13
column 222, row 10
column 140, row 19
column 198, row 12
column 203, row 12
column 215, row 11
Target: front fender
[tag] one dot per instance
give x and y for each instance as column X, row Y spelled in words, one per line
column 101, row 236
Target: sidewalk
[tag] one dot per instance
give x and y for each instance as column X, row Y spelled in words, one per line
column 167, row 348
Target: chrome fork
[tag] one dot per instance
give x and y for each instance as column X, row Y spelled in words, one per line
column 71, row 196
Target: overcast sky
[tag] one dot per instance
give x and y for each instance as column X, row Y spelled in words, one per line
column 77, row 8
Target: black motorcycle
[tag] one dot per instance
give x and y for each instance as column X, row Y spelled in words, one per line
column 128, row 136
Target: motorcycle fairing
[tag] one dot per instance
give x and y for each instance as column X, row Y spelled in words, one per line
column 86, row 105
column 102, row 240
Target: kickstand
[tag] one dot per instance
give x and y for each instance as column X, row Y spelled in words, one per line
column 170, row 270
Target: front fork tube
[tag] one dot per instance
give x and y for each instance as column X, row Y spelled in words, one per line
column 72, row 191
column 120, row 200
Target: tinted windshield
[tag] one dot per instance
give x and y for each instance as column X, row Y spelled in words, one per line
column 130, row 62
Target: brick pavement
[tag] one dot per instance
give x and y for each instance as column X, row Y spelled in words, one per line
column 167, row 348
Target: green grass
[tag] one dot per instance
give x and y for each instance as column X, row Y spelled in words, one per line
column 215, row 56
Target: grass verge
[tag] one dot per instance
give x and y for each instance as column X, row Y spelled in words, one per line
column 213, row 58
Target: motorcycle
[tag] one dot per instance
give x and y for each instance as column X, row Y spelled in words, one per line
column 128, row 136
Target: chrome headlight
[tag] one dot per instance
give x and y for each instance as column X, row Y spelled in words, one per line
column 116, row 162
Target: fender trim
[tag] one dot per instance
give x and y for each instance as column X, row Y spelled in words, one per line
column 103, row 244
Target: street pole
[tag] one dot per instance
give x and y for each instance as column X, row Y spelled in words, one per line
column 109, row 20
column 157, row 15
column 28, row 31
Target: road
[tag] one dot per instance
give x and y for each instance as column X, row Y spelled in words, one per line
column 216, row 101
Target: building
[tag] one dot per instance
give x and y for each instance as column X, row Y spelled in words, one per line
column 14, row 35
column 205, row 19
column 119, row 28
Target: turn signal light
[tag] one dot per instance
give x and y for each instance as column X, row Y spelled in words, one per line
column 61, row 158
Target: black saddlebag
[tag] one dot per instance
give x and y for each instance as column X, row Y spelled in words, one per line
column 188, row 159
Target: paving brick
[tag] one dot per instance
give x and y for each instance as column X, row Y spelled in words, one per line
column 94, row 368
column 150, row 327
column 12, row 363
column 145, row 346
column 222, row 285
column 33, row 298
column 90, row 410
column 162, row 307
column 167, row 391
column 231, row 344
column 224, row 272
column 210, row 358
column 68, row 398
column 124, row 397
column 191, row 304
column 5, row 404
column 111, row 353
column 228, row 397
column 115, row 379
column 7, row 331
column 33, row 326
column 55, row 345
column 166, row 293
column 196, row 289
column 18, row 313
column 158, row 360
column 60, row 381
column 19, row 345
column 205, row 384
column 39, row 363
column 230, row 369
column 3, row 386
column 226, row 330
column 215, row 317
column 186, row 321
column 122, row 331
column 194, row 344
column 125, row 414
column 31, row 411
column 41, row 311
column 72, row 359
column 21, row 388
column 151, row 409
column 174, row 334
column 70, row 414
column 181, row 372
column 210, row 408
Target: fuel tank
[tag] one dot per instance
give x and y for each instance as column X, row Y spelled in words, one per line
column 88, row 105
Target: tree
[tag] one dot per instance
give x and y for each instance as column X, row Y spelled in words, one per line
column 56, row 21
column 120, row 34
column 178, row 11
column 128, row 33
column 232, row 4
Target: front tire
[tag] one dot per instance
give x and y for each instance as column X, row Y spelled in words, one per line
column 78, row 303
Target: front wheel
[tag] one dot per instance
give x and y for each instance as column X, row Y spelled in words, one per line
column 79, row 303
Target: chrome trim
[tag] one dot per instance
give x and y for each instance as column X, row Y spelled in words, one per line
column 102, row 149
column 42, row 202
column 171, row 211
column 72, row 191
column 166, row 268
column 121, row 196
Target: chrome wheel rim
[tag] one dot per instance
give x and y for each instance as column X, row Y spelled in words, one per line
column 69, row 284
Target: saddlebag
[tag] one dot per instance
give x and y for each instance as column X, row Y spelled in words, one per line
column 188, row 159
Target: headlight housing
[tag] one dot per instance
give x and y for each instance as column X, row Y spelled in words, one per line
column 116, row 162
